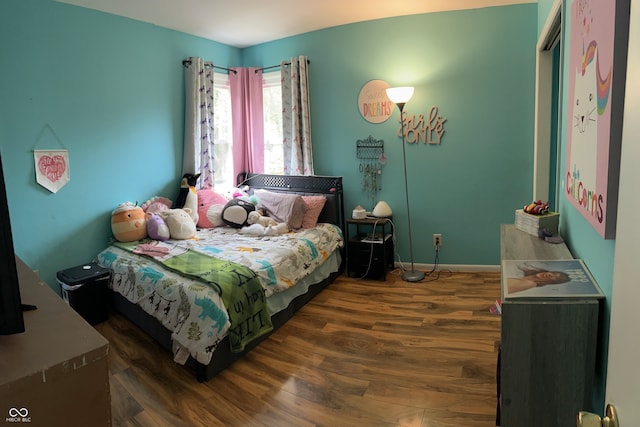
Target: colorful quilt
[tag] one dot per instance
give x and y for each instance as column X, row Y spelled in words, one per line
column 197, row 310
column 237, row 285
column 279, row 261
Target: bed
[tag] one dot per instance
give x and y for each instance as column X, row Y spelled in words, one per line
column 242, row 287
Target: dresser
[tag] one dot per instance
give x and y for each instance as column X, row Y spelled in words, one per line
column 56, row 372
column 548, row 346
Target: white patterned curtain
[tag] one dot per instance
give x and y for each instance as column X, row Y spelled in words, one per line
column 296, row 124
column 198, row 122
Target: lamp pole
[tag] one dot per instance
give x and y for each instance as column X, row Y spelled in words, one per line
column 411, row 275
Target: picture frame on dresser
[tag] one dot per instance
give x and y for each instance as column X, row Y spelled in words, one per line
column 548, row 279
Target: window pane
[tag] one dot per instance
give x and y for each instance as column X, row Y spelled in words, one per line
column 222, row 134
column 272, row 108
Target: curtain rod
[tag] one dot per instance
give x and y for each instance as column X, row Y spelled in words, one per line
column 275, row 66
column 187, row 62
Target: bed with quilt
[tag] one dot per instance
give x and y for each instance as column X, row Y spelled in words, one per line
column 210, row 299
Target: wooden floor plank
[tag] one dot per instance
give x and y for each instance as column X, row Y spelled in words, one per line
column 362, row 353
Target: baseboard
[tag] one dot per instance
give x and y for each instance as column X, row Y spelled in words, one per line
column 453, row 267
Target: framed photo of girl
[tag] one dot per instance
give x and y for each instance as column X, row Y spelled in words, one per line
column 597, row 50
column 568, row 278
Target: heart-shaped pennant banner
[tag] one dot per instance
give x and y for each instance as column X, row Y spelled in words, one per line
column 52, row 168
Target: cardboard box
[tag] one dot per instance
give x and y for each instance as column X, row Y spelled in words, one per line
column 55, row 373
column 532, row 224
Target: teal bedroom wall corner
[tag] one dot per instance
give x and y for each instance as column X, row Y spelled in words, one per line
column 107, row 89
column 481, row 81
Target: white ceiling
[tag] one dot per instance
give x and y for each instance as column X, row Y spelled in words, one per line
column 243, row 23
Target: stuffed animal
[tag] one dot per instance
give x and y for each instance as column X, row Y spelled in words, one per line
column 255, row 217
column 236, row 212
column 210, row 205
column 157, row 228
column 180, row 224
column 156, row 204
column 241, row 193
column 188, row 197
column 537, row 208
column 128, row 222
column 261, row 230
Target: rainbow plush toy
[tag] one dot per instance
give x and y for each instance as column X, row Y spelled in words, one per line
column 537, row 208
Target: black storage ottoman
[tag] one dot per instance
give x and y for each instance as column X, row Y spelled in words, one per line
column 84, row 288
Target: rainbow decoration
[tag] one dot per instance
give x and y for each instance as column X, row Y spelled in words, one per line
column 604, row 85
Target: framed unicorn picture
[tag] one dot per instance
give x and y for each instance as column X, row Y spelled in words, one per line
column 598, row 38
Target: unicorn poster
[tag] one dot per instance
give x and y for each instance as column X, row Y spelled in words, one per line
column 596, row 75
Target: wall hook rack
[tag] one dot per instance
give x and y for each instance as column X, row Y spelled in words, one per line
column 370, row 153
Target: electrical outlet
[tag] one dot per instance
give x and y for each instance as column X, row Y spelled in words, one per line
column 437, row 240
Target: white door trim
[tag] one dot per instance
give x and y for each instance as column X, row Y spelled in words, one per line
column 543, row 103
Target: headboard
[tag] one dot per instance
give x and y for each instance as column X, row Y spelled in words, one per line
column 329, row 186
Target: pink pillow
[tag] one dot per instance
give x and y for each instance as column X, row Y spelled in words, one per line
column 314, row 207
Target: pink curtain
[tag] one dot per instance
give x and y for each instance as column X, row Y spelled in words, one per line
column 248, row 122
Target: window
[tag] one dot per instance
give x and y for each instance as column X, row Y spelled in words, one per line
column 224, row 180
column 272, row 110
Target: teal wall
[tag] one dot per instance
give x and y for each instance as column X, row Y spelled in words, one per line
column 582, row 239
column 108, row 89
column 478, row 68
column 544, row 9
column 111, row 90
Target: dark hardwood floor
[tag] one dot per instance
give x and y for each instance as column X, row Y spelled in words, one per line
column 362, row 353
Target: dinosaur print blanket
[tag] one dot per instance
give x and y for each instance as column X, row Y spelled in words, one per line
column 237, row 285
column 185, row 295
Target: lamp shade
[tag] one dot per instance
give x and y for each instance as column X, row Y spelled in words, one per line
column 400, row 94
column 382, row 210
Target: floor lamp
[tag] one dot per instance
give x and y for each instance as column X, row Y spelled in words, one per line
column 400, row 96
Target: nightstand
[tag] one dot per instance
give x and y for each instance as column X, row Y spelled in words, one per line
column 369, row 247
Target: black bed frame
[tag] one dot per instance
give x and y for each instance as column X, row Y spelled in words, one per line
column 333, row 212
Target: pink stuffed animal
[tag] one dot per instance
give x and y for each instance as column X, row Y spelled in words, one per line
column 156, row 204
column 210, row 205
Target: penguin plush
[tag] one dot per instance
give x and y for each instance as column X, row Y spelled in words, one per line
column 188, row 197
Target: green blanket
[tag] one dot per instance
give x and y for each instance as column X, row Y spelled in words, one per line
column 238, row 286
